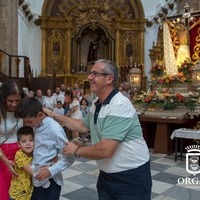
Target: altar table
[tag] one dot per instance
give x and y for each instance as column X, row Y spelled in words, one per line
column 163, row 142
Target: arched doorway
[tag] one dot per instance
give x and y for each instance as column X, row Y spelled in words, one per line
column 90, row 44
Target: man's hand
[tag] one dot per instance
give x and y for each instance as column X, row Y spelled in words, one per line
column 48, row 112
column 69, row 148
column 43, row 173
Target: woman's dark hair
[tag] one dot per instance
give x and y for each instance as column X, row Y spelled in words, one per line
column 69, row 93
column 87, row 103
column 9, row 87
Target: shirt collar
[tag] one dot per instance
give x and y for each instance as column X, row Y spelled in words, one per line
column 108, row 99
column 42, row 123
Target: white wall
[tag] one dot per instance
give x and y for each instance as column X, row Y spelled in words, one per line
column 35, row 49
column 36, row 6
column 29, row 37
column 23, row 39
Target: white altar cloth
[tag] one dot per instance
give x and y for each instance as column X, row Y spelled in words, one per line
column 186, row 133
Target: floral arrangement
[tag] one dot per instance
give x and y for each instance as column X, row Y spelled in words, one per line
column 158, row 69
column 184, row 75
column 140, row 98
column 166, row 100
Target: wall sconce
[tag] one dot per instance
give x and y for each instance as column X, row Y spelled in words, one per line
column 134, row 78
column 21, row 2
column 149, row 23
column 164, row 10
column 171, row 6
column 30, row 17
column 27, row 12
column 24, row 7
column 160, row 15
column 37, row 22
column 155, row 19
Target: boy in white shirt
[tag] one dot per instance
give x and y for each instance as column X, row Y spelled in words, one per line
column 59, row 109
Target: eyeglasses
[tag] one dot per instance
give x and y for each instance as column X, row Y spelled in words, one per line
column 95, row 74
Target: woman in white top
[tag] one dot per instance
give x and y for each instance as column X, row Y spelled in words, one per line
column 49, row 100
column 10, row 96
column 75, row 112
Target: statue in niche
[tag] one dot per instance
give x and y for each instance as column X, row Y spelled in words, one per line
column 56, row 48
column 92, row 52
column 129, row 50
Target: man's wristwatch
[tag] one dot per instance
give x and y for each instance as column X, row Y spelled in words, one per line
column 76, row 155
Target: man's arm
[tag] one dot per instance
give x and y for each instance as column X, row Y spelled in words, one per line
column 45, row 172
column 101, row 150
column 70, row 123
column 72, row 110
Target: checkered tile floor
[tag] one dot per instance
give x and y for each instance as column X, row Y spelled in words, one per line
column 80, row 180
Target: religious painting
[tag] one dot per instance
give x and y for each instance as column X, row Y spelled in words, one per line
column 56, row 46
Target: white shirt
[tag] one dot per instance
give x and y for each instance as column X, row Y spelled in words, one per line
column 49, row 142
column 49, row 102
column 59, row 111
column 7, row 126
column 59, row 97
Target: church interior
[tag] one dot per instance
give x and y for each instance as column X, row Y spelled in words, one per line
column 156, row 46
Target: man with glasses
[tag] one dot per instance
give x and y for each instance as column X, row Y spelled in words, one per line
column 118, row 145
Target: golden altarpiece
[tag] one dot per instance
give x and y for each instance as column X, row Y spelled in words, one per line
column 76, row 33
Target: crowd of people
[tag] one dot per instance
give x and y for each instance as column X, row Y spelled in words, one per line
column 117, row 142
column 69, row 101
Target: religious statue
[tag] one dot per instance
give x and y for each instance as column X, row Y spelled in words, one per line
column 183, row 51
column 92, row 53
column 56, row 48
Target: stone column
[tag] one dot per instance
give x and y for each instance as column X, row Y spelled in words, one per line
column 9, row 26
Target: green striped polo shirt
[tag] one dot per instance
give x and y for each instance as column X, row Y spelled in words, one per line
column 116, row 119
